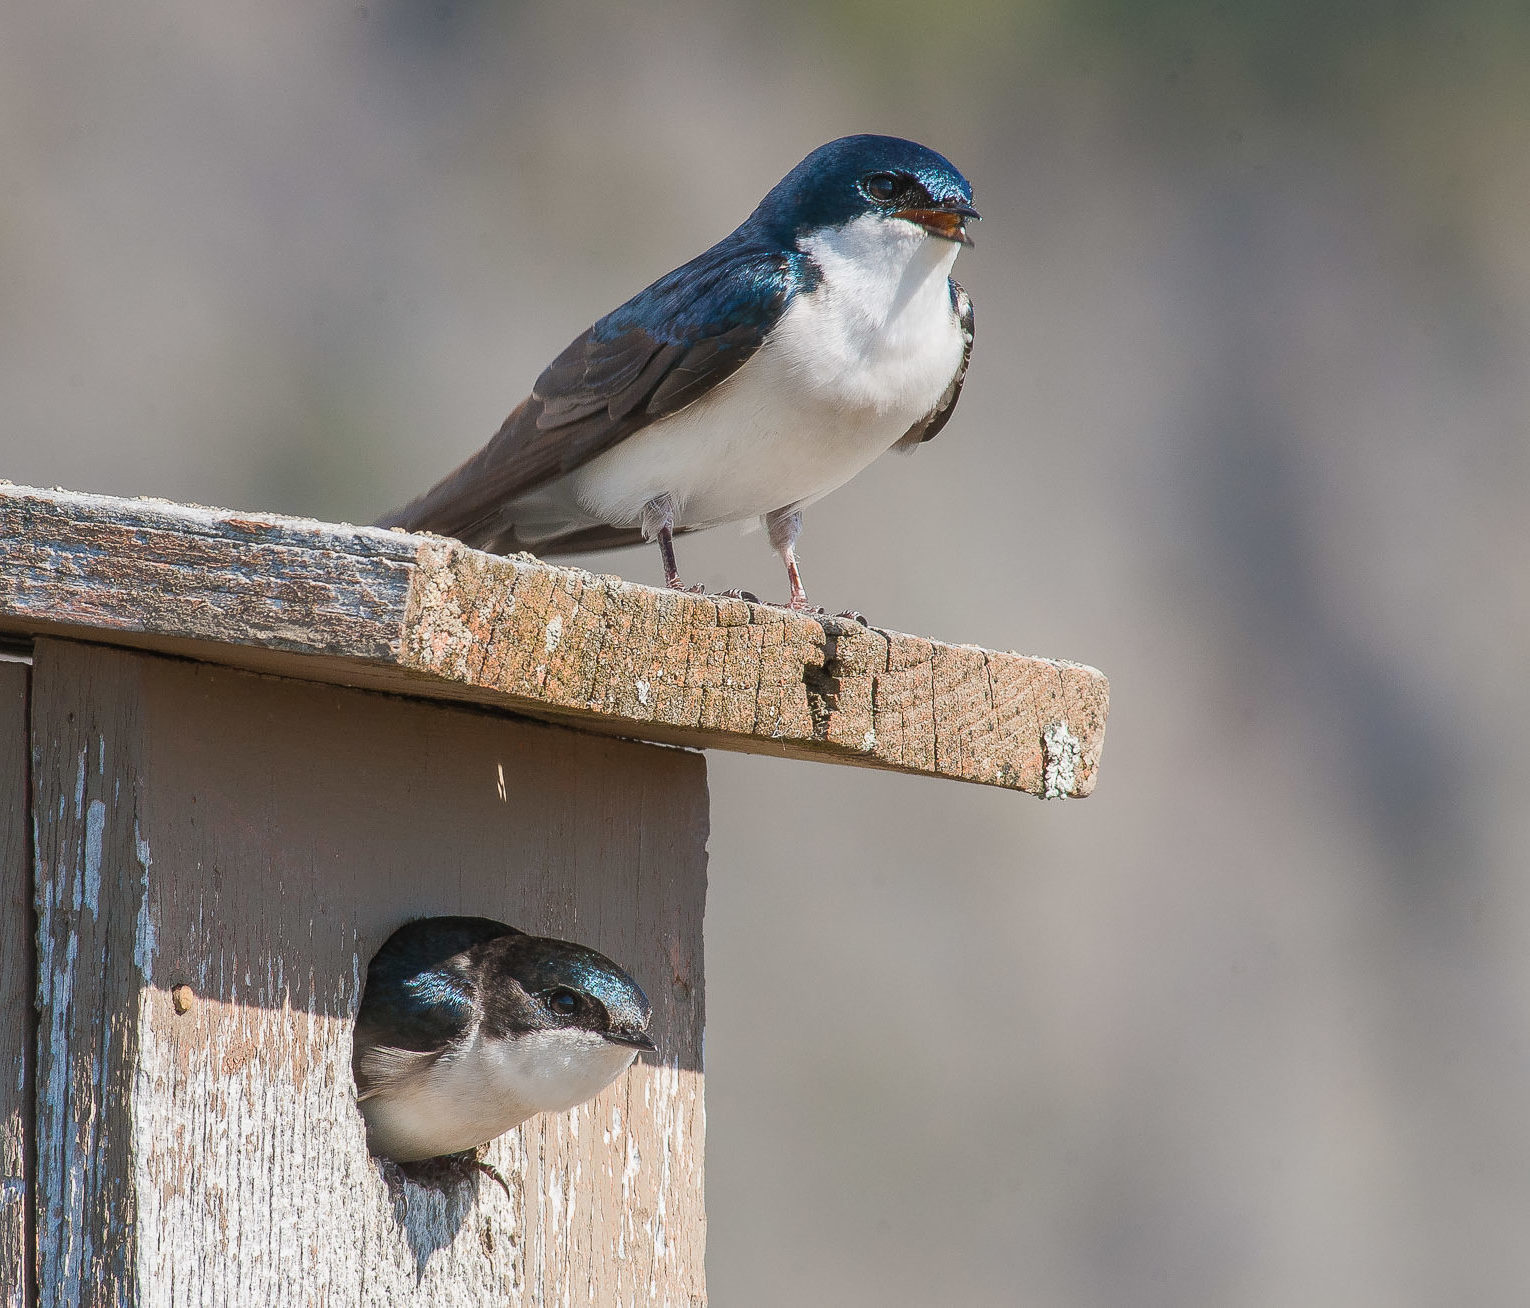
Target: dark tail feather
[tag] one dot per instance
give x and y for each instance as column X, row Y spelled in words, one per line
column 467, row 503
column 584, row 540
column 504, row 541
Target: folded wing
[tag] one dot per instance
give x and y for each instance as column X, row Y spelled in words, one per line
column 928, row 427
column 661, row 351
column 418, row 998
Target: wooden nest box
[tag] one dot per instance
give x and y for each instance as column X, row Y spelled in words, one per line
column 237, row 750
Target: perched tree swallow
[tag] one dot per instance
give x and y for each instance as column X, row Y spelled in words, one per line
column 467, row 1027
column 747, row 383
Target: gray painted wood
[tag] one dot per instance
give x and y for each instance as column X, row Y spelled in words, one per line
column 428, row 617
column 254, row 839
column 90, row 897
column 16, row 989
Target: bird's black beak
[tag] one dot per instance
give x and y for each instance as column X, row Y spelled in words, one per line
column 637, row 1039
column 947, row 220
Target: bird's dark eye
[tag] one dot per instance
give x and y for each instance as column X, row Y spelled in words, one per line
column 881, row 187
column 563, row 1003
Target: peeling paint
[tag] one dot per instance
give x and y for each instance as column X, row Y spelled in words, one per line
column 404, row 1243
column 95, row 827
column 144, row 940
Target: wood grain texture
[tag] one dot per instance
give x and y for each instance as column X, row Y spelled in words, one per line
column 745, row 676
column 253, row 840
column 17, row 988
column 91, row 884
column 430, row 618
column 95, row 562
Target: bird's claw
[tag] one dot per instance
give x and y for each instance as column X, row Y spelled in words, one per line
column 676, row 584
column 449, row 1170
column 818, row 611
column 488, row 1169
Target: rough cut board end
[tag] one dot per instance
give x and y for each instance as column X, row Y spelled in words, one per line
column 426, row 616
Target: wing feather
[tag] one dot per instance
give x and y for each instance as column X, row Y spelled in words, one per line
column 663, row 350
column 928, row 427
column 418, row 998
column 381, row 1068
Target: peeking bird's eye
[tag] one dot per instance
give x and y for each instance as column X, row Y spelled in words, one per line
column 881, row 187
column 563, row 1003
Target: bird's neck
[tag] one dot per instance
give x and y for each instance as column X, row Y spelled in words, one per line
column 887, row 270
column 547, row 1071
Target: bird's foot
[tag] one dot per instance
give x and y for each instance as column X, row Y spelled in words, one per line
column 488, row 1169
column 450, row 1170
column 810, row 610
column 674, row 583
column 818, row 611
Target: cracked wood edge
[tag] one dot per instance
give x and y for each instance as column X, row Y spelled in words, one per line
column 425, row 616
column 739, row 675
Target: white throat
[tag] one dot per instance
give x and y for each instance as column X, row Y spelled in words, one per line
column 480, row 1091
column 888, row 269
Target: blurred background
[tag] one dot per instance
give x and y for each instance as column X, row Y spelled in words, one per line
column 1245, row 428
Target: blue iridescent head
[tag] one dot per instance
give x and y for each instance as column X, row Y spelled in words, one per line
column 577, row 987
column 857, row 176
column 434, row 976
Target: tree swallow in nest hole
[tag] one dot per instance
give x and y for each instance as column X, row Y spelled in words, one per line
column 467, row 1027
column 747, row 383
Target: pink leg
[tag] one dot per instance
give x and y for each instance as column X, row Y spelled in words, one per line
column 659, row 522
column 784, row 526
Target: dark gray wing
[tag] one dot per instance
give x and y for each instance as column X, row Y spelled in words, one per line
column 928, row 427
column 661, row 351
column 418, row 997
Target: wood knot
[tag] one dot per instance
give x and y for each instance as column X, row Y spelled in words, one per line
column 183, row 998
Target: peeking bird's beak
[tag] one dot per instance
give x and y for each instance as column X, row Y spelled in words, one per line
column 637, row 1039
column 948, row 219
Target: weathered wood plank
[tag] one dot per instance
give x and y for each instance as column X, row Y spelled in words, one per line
column 255, row 839
column 17, row 987
column 428, row 617
column 94, row 562
column 91, row 887
column 743, row 675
